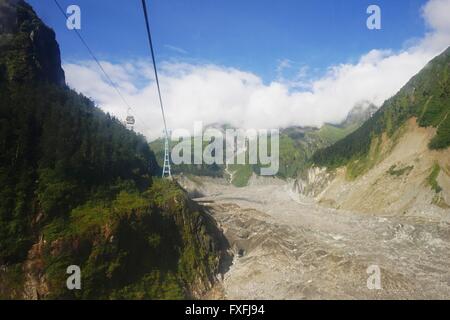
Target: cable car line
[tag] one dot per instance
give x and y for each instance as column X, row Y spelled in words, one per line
column 147, row 25
column 166, row 167
column 130, row 119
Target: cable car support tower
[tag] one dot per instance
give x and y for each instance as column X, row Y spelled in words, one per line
column 166, row 168
column 166, row 172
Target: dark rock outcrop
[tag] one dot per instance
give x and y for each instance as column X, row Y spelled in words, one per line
column 29, row 51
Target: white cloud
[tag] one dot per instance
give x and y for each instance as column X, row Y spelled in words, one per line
column 176, row 49
column 283, row 64
column 217, row 94
column 436, row 14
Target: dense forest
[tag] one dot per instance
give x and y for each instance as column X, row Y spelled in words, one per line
column 78, row 188
column 426, row 96
column 58, row 150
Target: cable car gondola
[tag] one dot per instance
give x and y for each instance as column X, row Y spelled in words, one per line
column 130, row 120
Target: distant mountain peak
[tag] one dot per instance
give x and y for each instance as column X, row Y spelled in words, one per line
column 360, row 112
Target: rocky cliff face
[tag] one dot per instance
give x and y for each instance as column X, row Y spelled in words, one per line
column 313, row 181
column 29, row 51
column 158, row 246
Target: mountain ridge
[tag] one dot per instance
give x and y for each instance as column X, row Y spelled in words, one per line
column 297, row 145
column 397, row 161
column 421, row 97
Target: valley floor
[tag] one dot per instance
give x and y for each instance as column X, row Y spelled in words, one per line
column 287, row 248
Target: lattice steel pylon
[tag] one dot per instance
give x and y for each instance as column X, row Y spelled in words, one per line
column 166, row 168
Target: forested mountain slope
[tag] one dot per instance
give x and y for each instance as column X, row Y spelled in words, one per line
column 426, row 96
column 399, row 160
column 77, row 188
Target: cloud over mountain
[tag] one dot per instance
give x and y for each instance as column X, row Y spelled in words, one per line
column 219, row 94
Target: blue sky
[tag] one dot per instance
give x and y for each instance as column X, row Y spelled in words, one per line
column 248, row 63
column 251, row 35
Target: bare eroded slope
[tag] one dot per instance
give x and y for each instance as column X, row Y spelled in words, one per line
column 400, row 181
